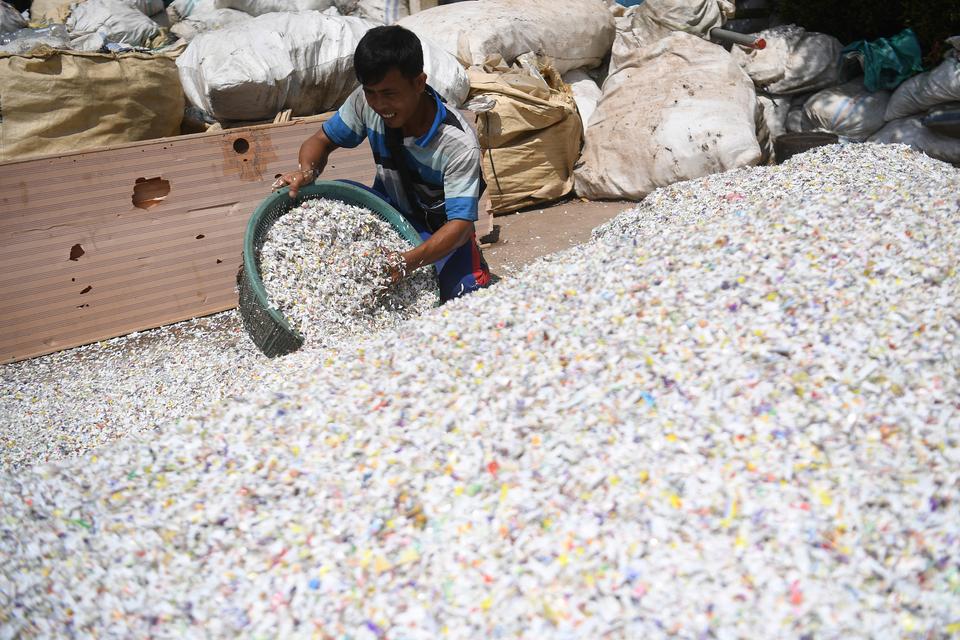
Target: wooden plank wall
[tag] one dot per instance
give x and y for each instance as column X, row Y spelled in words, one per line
column 98, row 244
column 79, row 262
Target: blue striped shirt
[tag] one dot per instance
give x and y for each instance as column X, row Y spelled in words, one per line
column 444, row 162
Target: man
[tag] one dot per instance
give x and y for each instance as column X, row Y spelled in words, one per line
column 427, row 156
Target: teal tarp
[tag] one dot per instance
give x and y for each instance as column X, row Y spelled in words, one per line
column 888, row 61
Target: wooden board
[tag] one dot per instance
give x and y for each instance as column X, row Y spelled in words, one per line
column 99, row 244
column 81, row 262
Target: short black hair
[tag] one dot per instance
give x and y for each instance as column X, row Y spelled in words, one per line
column 385, row 48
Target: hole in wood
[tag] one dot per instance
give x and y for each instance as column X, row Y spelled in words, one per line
column 76, row 251
column 219, row 261
column 240, row 145
column 82, row 306
column 201, row 237
column 277, row 176
column 87, row 289
column 150, row 193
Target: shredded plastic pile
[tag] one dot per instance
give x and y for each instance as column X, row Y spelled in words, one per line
column 325, row 265
column 732, row 414
column 71, row 402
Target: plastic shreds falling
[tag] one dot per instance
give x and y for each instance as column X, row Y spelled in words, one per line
column 733, row 414
column 325, row 266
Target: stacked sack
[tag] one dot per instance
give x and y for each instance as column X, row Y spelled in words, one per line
column 190, row 18
column 63, row 101
column 924, row 111
column 808, row 82
column 111, row 72
column 529, row 131
column 62, row 91
column 573, row 34
column 700, row 119
column 91, row 25
column 298, row 61
column 794, row 67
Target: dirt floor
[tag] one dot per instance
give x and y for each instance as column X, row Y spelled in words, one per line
column 523, row 237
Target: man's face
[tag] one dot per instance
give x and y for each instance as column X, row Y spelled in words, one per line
column 395, row 98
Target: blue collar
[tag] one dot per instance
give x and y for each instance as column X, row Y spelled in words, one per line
column 425, row 139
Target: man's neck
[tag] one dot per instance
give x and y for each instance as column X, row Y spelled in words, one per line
column 423, row 119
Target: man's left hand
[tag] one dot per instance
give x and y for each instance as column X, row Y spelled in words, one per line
column 396, row 266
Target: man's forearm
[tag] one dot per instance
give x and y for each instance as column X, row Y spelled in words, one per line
column 314, row 152
column 450, row 237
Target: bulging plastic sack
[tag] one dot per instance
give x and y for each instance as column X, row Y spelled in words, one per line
column 255, row 69
column 678, row 109
column 930, row 89
column 299, row 61
column 115, row 20
column 573, row 34
column 848, row 110
column 182, row 9
column 912, row 131
column 207, row 20
column 794, row 61
column 10, row 18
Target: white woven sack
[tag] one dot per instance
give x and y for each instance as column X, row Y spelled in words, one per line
column 699, row 120
column 912, row 131
column 794, row 61
column 572, row 33
column 847, row 110
column 115, row 20
column 924, row 91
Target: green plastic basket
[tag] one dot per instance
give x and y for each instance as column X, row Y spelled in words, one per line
column 267, row 327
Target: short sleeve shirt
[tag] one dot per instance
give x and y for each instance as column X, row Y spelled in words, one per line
column 444, row 162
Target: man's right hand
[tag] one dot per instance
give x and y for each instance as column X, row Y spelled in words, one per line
column 295, row 180
column 313, row 154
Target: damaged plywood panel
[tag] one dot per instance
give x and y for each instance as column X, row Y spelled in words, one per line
column 98, row 244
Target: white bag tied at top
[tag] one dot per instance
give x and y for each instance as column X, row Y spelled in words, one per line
column 255, row 69
column 794, row 61
column 656, row 19
column 114, row 20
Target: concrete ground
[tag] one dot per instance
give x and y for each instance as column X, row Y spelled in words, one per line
column 525, row 236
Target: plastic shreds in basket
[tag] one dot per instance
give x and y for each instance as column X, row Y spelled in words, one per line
column 267, row 326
